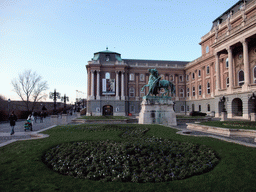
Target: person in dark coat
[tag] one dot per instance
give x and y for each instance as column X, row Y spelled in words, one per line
column 13, row 119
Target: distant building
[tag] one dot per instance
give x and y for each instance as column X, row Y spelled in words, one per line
column 226, row 68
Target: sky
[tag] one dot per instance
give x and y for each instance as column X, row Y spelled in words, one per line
column 56, row 38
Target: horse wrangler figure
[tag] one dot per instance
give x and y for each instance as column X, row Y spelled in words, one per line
column 155, row 84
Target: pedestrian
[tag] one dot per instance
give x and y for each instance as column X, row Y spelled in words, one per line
column 31, row 118
column 41, row 117
column 13, row 119
column 35, row 116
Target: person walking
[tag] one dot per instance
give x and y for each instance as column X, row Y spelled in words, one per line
column 41, row 117
column 13, row 119
column 31, row 118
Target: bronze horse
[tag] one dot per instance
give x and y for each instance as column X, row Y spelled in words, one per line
column 155, row 84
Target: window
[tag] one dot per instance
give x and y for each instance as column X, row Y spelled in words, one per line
column 193, row 75
column 187, row 77
column 240, row 77
column 187, row 108
column 132, row 109
column 181, row 92
column 193, row 91
column 208, row 88
column 208, row 107
column 199, row 90
column 142, row 77
column 199, row 107
column 131, row 77
column 97, row 109
column 207, row 70
column 199, row 73
column 107, row 75
column 227, row 82
column 181, row 78
column 131, row 92
column 187, row 92
column 207, row 49
column 254, row 74
column 227, row 63
column 182, row 108
column 171, row 77
column 117, row 109
column 162, row 77
column 142, row 93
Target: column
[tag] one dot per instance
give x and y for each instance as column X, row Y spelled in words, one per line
column 217, row 63
column 203, row 81
column 230, row 67
column 92, row 85
column 122, row 88
column 176, row 87
column 246, row 63
column 98, row 85
column 117, row 85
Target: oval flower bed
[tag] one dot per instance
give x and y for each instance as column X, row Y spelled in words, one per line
column 140, row 160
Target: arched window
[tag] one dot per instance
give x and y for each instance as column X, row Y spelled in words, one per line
column 199, row 73
column 171, row 77
column 181, row 78
column 254, row 74
column 227, row 63
column 207, row 69
column 131, row 77
column 187, row 77
column 181, row 92
column 187, row 92
column 107, row 75
column 207, row 49
column 208, row 107
column 193, row 91
column 193, row 75
column 199, row 90
column 240, row 77
column 227, row 82
column 142, row 77
column 131, row 92
column 208, row 88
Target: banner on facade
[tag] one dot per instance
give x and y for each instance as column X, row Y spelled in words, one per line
column 108, row 86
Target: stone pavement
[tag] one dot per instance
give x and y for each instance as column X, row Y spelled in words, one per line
column 20, row 134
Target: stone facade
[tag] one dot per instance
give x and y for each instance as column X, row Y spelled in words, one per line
column 227, row 68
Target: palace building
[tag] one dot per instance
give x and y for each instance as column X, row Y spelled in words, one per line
column 224, row 77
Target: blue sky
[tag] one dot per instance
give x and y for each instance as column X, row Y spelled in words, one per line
column 56, row 38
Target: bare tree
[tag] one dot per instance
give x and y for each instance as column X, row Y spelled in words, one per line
column 30, row 88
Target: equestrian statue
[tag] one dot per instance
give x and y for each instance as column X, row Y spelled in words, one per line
column 155, row 84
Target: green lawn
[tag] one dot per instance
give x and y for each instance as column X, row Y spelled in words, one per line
column 189, row 117
column 21, row 167
column 102, row 117
column 231, row 124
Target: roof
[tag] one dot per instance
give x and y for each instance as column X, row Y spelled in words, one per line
column 107, row 51
column 130, row 61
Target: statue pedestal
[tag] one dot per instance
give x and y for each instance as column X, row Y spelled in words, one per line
column 157, row 110
column 223, row 116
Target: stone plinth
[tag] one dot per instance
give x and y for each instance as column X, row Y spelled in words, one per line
column 54, row 119
column 64, row 118
column 253, row 116
column 157, row 110
column 223, row 116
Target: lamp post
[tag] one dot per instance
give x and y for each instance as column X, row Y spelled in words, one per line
column 253, row 97
column 65, row 99
column 54, row 95
column 9, row 101
column 223, row 99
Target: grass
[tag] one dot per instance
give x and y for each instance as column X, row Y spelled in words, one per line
column 231, row 124
column 189, row 117
column 21, row 167
column 103, row 117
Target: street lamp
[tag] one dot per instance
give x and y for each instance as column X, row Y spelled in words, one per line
column 9, row 101
column 65, row 98
column 223, row 99
column 54, row 95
